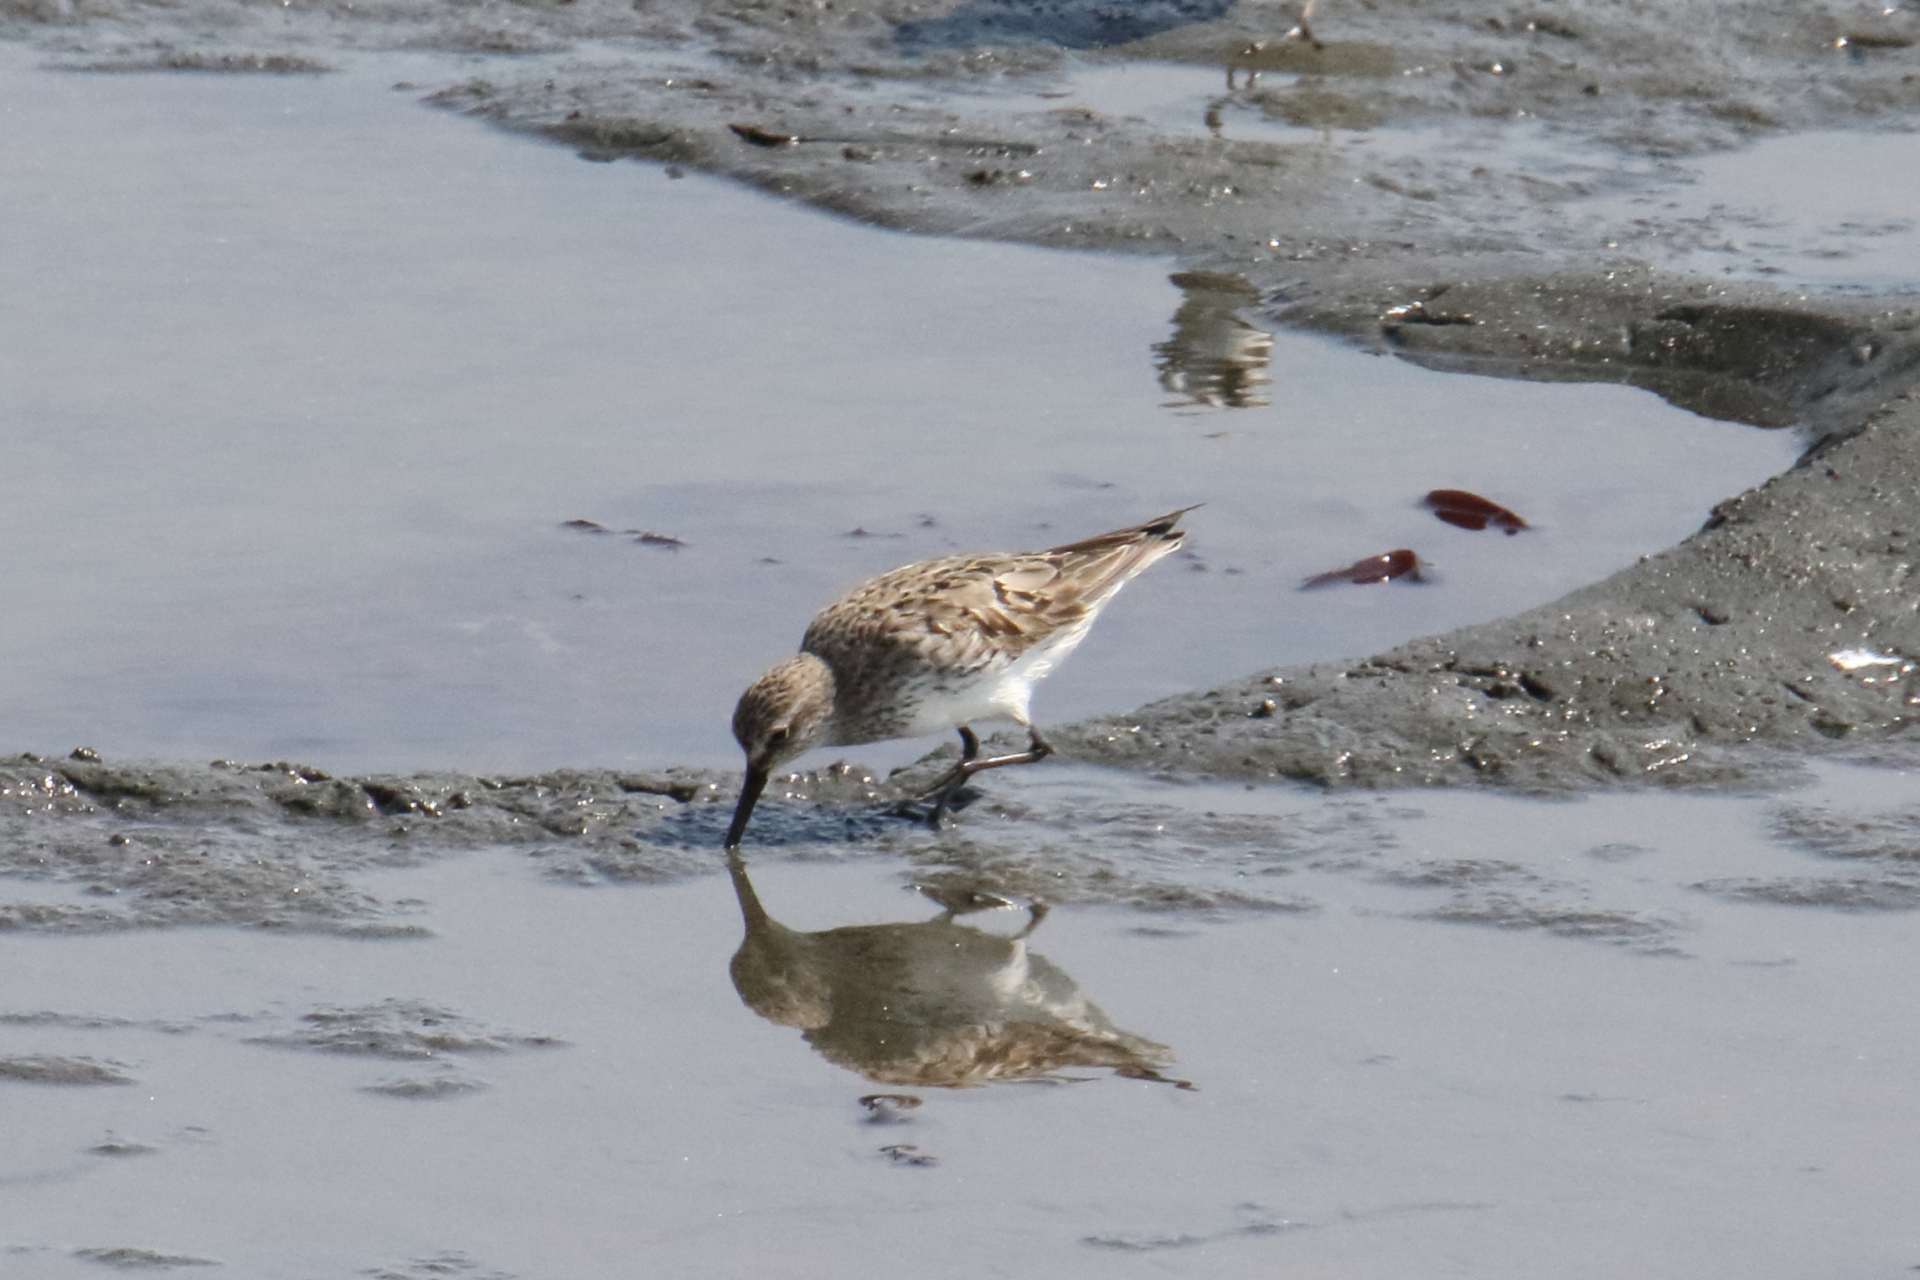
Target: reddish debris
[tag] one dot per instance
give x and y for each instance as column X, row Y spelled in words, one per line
column 653, row 539
column 1394, row 564
column 1471, row 511
column 762, row 137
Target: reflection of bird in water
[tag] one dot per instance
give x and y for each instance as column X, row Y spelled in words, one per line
column 1215, row 357
column 934, row 646
column 933, row 1004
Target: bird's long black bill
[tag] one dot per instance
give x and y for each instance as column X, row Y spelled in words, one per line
column 750, row 789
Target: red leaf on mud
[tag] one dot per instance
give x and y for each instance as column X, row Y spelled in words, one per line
column 1394, row 564
column 1471, row 511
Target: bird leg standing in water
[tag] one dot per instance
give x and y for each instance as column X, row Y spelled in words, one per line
column 949, row 785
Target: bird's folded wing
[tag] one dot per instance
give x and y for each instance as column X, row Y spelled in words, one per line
column 976, row 612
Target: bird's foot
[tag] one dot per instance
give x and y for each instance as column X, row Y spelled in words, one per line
column 950, row 791
column 932, row 803
column 933, row 806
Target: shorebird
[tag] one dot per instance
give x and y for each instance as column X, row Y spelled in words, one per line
column 937, row 645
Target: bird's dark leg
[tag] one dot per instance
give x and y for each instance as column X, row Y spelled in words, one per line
column 952, row 780
column 943, row 792
column 1038, row 749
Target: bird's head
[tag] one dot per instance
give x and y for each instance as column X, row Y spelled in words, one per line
column 782, row 715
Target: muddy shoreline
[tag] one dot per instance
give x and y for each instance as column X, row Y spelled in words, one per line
column 1788, row 624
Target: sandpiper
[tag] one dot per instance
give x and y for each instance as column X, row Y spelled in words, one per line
column 937, row 645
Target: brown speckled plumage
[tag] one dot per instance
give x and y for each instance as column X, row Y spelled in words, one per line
column 937, row 645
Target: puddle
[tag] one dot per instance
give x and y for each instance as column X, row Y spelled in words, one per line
column 1180, row 99
column 1829, row 211
column 1176, row 99
column 1825, row 210
column 290, row 451
column 1448, row 1051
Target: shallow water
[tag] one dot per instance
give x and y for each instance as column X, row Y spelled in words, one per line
column 301, row 381
column 1381, row 1086
column 1827, row 210
column 303, row 378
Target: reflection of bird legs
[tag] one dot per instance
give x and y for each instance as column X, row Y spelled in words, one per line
column 943, row 791
column 976, row 900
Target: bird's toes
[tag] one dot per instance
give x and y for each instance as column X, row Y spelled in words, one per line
column 935, row 807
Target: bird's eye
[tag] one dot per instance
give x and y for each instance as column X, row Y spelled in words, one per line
column 778, row 734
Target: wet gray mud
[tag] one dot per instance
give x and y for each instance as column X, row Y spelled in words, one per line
column 1316, row 176
column 1189, row 1029
column 1788, row 622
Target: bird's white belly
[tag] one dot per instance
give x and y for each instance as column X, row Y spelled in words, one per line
column 997, row 695
column 938, row 710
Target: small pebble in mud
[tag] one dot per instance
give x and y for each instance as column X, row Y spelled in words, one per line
column 888, row 1108
column 908, row 1154
column 667, row 540
column 142, row 1259
column 1873, row 40
column 84, row 753
column 1264, row 711
column 762, row 137
column 1471, row 511
column 1381, row 568
column 435, row 1087
column 1394, row 318
column 49, row 1069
